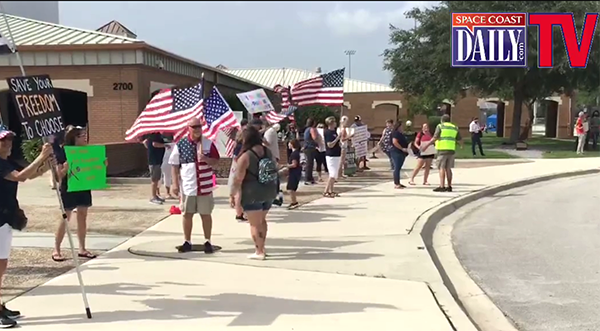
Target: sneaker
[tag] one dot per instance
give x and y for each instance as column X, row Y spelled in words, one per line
column 156, row 201
column 259, row 257
column 278, row 202
column 186, row 247
column 160, row 199
column 293, row 205
column 13, row 314
column 208, row 248
column 6, row 322
column 439, row 189
column 241, row 219
column 449, row 189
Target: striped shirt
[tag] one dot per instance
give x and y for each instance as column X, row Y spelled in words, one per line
column 196, row 175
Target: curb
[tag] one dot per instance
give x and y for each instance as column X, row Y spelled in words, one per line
column 472, row 300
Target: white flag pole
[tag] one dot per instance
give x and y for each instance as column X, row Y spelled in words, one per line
column 88, row 312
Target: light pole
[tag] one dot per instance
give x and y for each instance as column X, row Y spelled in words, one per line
column 350, row 52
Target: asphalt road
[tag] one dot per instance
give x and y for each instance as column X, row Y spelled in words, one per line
column 536, row 252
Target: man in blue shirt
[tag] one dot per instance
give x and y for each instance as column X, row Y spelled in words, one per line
column 155, row 145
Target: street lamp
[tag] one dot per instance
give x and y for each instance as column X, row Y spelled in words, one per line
column 350, row 52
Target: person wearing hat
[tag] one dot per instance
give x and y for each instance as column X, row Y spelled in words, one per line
column 11, row 216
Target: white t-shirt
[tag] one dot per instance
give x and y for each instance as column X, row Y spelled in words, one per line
column 474, row 127
column 271, row 138
column 321, row 143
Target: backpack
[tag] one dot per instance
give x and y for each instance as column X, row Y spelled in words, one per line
column 268, row 173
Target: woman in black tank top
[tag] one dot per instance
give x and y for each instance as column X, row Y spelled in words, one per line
column 256, row 198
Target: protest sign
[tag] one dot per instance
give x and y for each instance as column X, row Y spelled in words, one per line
column 256, row 101
column 350, row 163
column 87, row 168
column 37, row 105
column 360, row 139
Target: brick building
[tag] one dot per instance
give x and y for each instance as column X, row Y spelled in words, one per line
column 104, row 79
column 377, row 102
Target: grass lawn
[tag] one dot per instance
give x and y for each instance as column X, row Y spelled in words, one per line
column 551, row 148
column 489, row 142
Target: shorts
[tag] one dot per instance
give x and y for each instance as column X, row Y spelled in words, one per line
column 426, row 157
column 294, row 180
column 333, row 165
column 445, row 161
column 257, row 206
column 155, row 173
column 198, row 204
column 167, row 176
column 72, row 200
column 5, row 241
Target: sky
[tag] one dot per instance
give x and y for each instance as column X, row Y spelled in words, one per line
column 240, row 34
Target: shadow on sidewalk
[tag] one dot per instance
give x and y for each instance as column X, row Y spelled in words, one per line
column 244, row 309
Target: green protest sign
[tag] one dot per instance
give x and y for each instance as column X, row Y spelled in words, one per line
column 87, row 168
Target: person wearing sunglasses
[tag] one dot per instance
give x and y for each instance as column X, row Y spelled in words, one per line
column 11, row 216
column 192, row 161
column 81, row 200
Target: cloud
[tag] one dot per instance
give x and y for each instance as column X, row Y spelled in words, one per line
column 360, row 22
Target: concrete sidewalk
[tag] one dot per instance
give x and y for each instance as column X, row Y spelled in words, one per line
column 352, row 263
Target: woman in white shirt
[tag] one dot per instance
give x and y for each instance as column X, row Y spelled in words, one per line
column 167, row 177
column 342, row 130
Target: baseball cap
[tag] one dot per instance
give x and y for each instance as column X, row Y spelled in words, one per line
column 5, row 132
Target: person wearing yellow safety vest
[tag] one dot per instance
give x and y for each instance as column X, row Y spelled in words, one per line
column 446, row 137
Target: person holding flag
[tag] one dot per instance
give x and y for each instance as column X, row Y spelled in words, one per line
column 11, row 216
column 193, row 158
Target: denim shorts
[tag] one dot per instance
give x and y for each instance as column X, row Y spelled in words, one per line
column 257, row 206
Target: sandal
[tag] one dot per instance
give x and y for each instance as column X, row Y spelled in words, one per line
column 328, row 195
column 58, row 258
column 335, row 194
column 87, row 255
column 411, row 183
column 426, row 183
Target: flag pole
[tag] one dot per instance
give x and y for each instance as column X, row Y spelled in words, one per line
column 53, row 169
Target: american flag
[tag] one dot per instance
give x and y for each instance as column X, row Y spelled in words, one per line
column 231, row 143
column 273, row 117
column 326, row 89
column 217, row 116
column 168, row 112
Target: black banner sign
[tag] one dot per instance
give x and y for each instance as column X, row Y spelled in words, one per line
column 37, row 105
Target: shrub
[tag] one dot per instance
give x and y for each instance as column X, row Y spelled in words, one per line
column 31, row 148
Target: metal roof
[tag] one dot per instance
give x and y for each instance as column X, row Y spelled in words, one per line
column 115, row 27
column 291, row 76
column 28, row 32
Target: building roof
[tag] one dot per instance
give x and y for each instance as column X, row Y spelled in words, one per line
column 28, row 32
column 291, row 76
column 33, row 33
column 115, row 27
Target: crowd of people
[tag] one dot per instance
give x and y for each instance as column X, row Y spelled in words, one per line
column 186, row 169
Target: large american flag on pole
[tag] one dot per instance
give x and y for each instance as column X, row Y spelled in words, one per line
column 168, row 112
column 218, row 116
column 273, row 117
column 326, row 89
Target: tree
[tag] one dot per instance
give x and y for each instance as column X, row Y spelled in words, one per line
column 317, row 113
column 419, row 59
